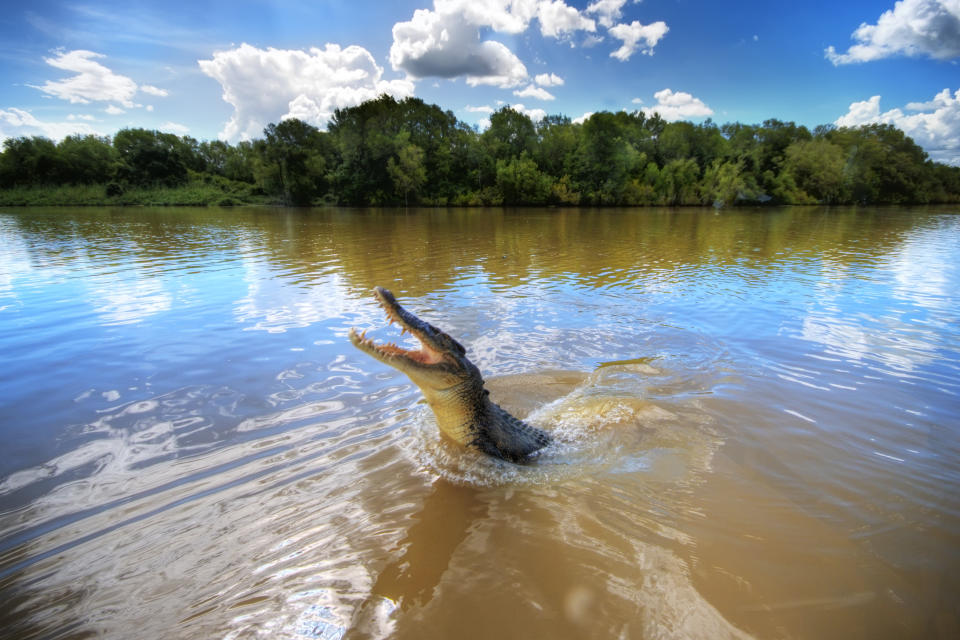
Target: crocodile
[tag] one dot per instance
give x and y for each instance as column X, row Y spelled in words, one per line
column 452, row 386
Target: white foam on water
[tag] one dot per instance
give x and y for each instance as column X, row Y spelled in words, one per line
column 605, row 426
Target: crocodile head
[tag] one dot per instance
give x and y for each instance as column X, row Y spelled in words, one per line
column 451, row 384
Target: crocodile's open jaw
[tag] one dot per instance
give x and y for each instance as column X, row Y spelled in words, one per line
column 438, row 351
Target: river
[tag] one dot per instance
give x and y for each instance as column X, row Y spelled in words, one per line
column 756, row 415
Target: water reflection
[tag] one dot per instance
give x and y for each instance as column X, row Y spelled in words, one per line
column 755, row 414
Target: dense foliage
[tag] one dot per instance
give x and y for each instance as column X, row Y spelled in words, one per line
column 389, row 152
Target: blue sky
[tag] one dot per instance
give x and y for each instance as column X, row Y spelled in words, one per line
column 227, row 68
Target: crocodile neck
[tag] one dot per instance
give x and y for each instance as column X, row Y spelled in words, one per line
column 479, row 423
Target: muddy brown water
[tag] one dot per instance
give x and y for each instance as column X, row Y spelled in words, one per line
column 756, row 416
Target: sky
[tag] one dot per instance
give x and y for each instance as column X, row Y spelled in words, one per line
column 227, row 68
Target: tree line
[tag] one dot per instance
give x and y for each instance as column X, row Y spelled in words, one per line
column 390, row 152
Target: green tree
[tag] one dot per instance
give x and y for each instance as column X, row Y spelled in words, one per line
column 150, row 157
column 876, row 167
column 675, row 142
column 366, row 137
column 29, row 161
column 723, row 183
column 558, row 141
column 510, row 134
column 407, row 169
column 293, row 162
column 240, row 162
column 520, row 181
column 214, row 155
column 817, row 167
column 87, row 160
column 678, row 181
column 607, row 159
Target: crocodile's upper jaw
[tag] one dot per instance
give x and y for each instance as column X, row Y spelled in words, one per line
column 440, row 367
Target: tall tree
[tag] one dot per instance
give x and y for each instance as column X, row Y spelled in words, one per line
column 817, row 167
column 407, row 169
column 294, row 165
column 87, row 159
column 510, row 134
column 150, row 157
column 29, row 161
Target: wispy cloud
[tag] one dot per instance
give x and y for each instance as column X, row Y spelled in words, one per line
column 19, row 122
column 154, row 91
column 124, row 24
column 93, row 81
column 174, row 127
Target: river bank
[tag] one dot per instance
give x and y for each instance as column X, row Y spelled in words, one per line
column 201, row 194
column 196, row 194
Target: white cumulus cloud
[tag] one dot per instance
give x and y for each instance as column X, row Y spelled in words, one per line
column 450, row 40
column 537, row 93
column 267, row 85
column 934, row 125
column 678, row 105
column 481, row 109
column 17, row 122
column 607, row 11
column 557, row 19
column 434, row 44
column 548, row 80
column 637, row 36
column 534, row 114
column 93, row 81
column 913, row 28
column 583, row 118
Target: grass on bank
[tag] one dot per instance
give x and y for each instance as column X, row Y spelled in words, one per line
column 197, row 193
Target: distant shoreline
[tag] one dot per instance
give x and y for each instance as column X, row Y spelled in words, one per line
column 386, row 152
column 191, row 196
column 95, row 195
